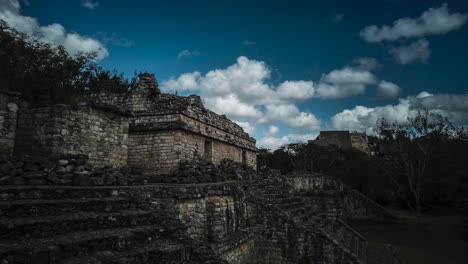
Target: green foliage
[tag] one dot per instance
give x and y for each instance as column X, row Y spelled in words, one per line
column 47, row 74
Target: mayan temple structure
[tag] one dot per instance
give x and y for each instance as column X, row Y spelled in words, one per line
column 144, row 128
column 147, row 177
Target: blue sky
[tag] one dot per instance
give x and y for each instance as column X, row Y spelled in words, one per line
column 282, row 69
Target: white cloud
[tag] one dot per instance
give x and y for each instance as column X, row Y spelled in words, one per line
column 272, row 130
column 290, row 115
column 249, row 42
column 247, row 80
column 10, row 5
column 185, row 82
column 295, row 138
column 233, row 107
column 296, row 90
column 243, row 91
column 344, row 83
column 416, row 51
column 361, row 118
column 387, row 90
column 364, row 64
column 273, row 143
column 188, row 53
column 53, row 33
column 89, row 4
column 249, row 128
column 434, row 21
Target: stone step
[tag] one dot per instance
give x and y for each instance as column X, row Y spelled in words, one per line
column 292, row 205
column 48, row 250
column 12, row 192
column 43, row 226
column 291, row 199
column 160, row 252
column 354, row 247
column 39, row 207
column 309, row 217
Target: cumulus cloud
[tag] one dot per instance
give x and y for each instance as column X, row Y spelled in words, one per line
column 290, row 115
column 273, row 143
column 89, row 4
column 387, row 90
column 53, row 33
column 296, row 90
column 185, row 82
column 10, row 5
column 416, row 51
column 345, row 82
column 244, row 91
column 364, row 64
column 434, row 21
column 188, row 53
column 272, row 130
column 249, row 128
column 248, row 81
column 361, row 118
column 233, row 107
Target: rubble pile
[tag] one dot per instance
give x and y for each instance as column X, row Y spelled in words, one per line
column 67, row 170
column 203, row 171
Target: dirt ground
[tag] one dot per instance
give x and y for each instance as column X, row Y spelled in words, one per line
column 441, row 239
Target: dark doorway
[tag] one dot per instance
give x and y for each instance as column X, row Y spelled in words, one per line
column 244, row 157
column 208, row 149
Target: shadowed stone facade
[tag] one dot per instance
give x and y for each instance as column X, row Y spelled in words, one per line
column 342, row 139
column 147, row 177
column 165, row 129
column 8, row 118
column 143, row 128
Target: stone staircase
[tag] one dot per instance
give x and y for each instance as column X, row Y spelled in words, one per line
column 85, row 225
column 280, row 195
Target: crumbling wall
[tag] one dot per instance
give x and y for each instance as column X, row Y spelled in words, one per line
column 62, row 130
column 359, row 141
column 332, row 198
column 9, row 106
column 340, row 139
column 210, row 218
column 158, row 143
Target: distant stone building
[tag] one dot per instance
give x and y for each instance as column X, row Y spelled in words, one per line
column 343, row 139
column 143, row 128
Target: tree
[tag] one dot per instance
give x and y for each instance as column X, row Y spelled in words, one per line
column 46, row 74
column 408, row 151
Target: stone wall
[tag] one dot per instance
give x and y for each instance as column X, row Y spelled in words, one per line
column 212, row 218
column 359, row 141
column 340, row 139
column 63, row 130
column 166, row 128
column 155, row 152
column 332, row 198
column 8, row 118
column 158, row 151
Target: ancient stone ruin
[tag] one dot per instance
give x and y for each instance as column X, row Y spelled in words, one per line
column 148, row 177
column 343, row 139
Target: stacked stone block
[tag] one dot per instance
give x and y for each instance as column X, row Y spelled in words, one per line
column 62, row 130
column 8, row 119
